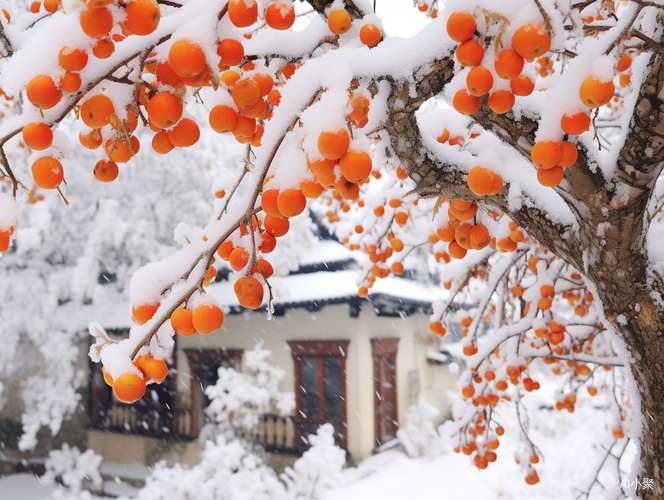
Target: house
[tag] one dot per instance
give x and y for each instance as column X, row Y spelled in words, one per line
column 356, row 363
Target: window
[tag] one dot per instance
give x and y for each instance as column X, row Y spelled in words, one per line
column 320, row 388
column 204, row 365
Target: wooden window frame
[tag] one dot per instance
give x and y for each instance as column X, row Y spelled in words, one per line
column 383, row 347
column 320, row 348
column 194, row 355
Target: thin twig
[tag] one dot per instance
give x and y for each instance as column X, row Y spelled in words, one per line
column 9, row 48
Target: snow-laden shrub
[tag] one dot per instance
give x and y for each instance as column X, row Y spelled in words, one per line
column 73, row 473
column 228, row 470
column 319, row 469
column 239, row 399
column 419, row 436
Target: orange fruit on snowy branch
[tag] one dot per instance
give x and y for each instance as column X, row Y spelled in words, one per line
column 182, row 322
column 223, row 119
column 370, row 35
column 129, row 388
column 167, row 76
column 456, row 251
column 47, row 173
column 624, row 62
column 245, row 127
column 355, row 165
column 243, row 13
column 246, row 93
column 103, row 48
column 239, row 258
column 483, row 181
column 231, row 52
column 466, row 103
column 164, row 110
column 338, row 21
column 161, row 143
column 437, row 328
column 120, row 151
column 508, row 64
column 144, row 312
column 469, row 53
column 479, row 237
column 522, row 86
column 5, row 237
column 265, row 83
column 550, row 177
column 200, row 80
column 501, row 101
column 72, row 59
column 51, row 5
column 256, row 110
column 96, row 23
column 462, row 236
column 106, row 171
column 42, row 92
column 569, row 154
column 208, row 318
column 347, row 189
column 142, row 17
column 249, row 292
column 460, row 26
column 264, row 268
column 269, row 202
column 185, row 134
column 291, row 202
column 546, row 154
column 186, row 58
column 156, row 369
column 91, row 140
column 276, row 226
column 280, row 15
column 311, row 189
column 267, row 242
column 70, row 82
column 531, row 41
column 575, row 124
column 479, row 81
column 594, row 93
column 37, row 136
column 96, row 111
column 333, row 144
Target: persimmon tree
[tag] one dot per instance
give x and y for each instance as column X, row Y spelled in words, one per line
column 540, row 180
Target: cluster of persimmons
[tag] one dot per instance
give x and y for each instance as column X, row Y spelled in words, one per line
column 336, row 171
column 529, row 42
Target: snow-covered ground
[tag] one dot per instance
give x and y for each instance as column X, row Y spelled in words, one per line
column 570, row 446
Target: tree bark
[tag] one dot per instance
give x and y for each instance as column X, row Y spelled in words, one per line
column 614, row 259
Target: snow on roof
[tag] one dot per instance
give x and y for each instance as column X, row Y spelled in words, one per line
column 326, row 251
column 332, row 286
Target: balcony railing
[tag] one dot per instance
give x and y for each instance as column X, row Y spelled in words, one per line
column 276, row 434
column 142, row 421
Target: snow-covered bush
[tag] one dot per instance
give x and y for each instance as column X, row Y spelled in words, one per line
column 228, row 470
column 319, row 469
column 419, row 436
column 237, row 400
column 73, row 473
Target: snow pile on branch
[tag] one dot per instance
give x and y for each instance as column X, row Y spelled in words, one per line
column 73, row 472
column 239, row 399
column 320, row 469
column 419, row 436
